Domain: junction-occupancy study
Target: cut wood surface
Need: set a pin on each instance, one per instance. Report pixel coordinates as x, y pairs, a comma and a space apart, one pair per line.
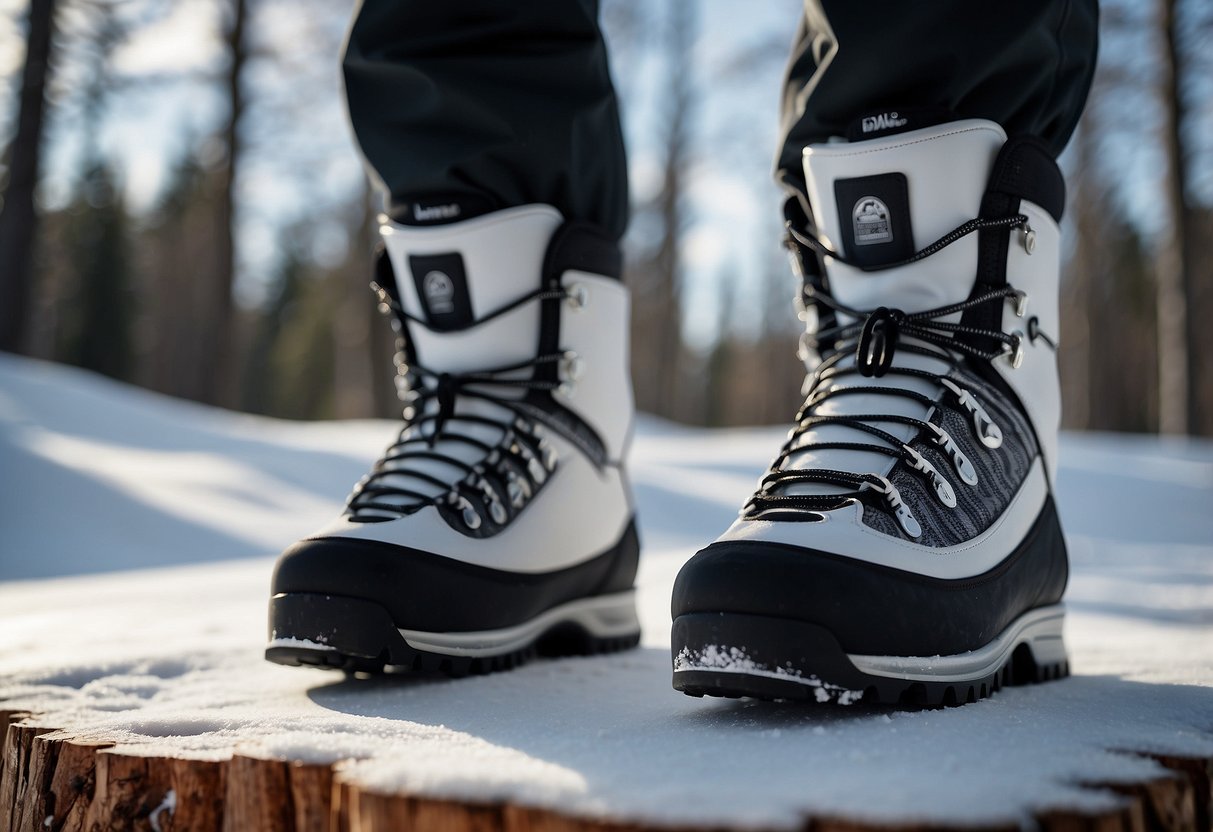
51, 780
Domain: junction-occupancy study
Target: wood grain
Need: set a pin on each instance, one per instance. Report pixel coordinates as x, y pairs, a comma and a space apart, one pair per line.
53, 780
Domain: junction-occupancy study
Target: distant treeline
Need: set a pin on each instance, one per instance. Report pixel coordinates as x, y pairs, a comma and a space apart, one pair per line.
148, 296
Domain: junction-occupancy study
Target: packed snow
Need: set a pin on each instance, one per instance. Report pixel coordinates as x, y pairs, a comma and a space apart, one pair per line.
731, 659
136, 542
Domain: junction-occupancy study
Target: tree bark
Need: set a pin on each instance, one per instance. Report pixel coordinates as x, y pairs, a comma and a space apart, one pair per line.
1077, 298
673, 193
18, 217
218, 371
1173, 281
52, 780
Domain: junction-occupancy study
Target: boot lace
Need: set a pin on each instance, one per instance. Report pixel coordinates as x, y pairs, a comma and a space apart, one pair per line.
424, 466
866, 347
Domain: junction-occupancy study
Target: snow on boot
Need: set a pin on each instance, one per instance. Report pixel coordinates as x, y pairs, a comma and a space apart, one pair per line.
500, 521
904, 547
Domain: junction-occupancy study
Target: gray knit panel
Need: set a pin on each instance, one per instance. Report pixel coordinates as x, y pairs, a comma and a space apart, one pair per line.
1000, 471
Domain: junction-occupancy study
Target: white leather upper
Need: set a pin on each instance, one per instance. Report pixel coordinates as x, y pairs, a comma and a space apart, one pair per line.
843, 533
581, 510
947, 169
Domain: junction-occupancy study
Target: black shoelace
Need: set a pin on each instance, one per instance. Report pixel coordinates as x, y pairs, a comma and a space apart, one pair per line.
510, 470
872, 340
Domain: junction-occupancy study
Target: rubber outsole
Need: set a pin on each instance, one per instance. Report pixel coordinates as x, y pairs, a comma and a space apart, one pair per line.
358, 636
733, 656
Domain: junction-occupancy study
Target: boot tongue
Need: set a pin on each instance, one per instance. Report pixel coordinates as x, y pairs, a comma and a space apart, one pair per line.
452, 275
879, 201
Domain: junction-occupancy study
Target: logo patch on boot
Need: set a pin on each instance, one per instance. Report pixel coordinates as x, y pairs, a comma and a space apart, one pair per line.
870, 222
874, 215
442, 289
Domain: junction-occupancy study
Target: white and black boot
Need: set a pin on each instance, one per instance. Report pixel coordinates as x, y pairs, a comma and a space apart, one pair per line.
500, 521
904, 547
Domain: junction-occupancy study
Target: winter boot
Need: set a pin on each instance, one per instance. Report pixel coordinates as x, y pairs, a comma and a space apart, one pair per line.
500, 521
904, 546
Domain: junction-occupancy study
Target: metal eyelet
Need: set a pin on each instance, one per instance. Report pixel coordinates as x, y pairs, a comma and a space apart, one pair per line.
576, 296
1015, 355
798, 303
909, 524
471, 517
1021, 303
497, 509
548, 455
988, 433
964, 468
534, 467
517, 489
571, 367
943, 488
1029, 237
802, 347
905, 518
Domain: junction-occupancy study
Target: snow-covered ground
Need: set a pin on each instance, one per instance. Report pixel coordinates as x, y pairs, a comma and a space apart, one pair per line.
136, 535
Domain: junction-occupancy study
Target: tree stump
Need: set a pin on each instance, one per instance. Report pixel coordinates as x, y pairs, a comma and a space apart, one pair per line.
54, 780
21, 781
277, 795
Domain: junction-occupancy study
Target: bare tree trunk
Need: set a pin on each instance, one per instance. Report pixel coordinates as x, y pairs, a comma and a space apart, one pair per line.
218, 374
668, 261
1173, 282
1078, 301
358, 365
18, 219
1200, 308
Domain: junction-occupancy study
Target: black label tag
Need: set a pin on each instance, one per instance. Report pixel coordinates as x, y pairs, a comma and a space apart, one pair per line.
874, 214
442, 288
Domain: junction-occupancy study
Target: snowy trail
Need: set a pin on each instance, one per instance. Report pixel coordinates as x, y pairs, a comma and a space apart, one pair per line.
101, 482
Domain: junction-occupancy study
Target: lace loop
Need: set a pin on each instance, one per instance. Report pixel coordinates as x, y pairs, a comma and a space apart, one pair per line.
878, 341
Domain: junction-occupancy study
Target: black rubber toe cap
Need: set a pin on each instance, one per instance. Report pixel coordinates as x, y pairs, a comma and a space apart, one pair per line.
876, 610
425, 591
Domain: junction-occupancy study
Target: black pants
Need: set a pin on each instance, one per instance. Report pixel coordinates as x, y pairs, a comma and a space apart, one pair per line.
497, 103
